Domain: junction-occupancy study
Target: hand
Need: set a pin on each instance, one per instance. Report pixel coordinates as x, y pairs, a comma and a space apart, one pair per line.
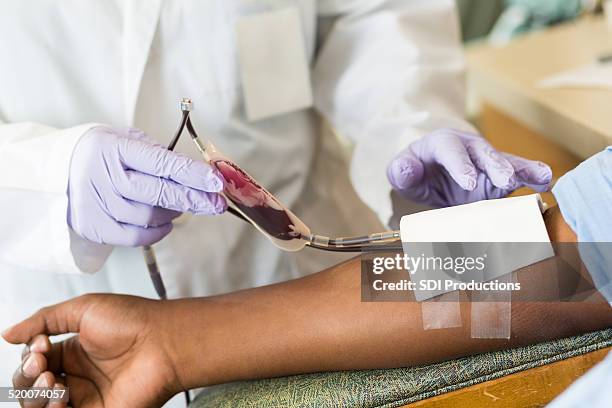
449, 167
125, 190
118, 359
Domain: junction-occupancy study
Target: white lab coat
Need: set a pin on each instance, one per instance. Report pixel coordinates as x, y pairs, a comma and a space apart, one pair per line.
382, 72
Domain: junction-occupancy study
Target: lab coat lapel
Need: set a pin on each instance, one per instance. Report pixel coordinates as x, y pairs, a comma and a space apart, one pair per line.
140, 23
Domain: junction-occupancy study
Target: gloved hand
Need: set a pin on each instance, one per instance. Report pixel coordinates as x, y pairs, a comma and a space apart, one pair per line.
125, 190
449, 167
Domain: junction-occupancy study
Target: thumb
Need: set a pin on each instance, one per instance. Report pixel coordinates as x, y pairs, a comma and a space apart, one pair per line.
53, 320
405, 171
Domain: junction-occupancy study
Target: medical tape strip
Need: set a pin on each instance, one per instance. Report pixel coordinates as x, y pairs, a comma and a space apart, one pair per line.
509, 220
491, 312
441, 312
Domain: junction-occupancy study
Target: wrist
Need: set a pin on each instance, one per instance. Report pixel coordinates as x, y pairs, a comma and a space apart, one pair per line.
184, 337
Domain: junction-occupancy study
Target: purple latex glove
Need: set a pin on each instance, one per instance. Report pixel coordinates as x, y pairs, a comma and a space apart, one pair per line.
124, 189
450, 167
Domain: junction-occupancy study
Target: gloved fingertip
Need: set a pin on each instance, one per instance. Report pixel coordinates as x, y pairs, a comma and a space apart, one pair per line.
217, 183
469, 183
544, 173
540, 188
506, 182
404, 173
215, 204
220, 205
205, 178
504, 176
539, 173
512, 182
150, 236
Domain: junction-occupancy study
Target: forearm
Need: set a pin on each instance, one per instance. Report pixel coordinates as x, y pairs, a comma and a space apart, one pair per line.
319, 323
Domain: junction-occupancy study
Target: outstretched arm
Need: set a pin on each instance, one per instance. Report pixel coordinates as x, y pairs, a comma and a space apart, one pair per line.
316, 323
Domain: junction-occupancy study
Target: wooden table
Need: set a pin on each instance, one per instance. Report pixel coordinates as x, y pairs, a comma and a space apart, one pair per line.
531, 388
506, 78
561, 127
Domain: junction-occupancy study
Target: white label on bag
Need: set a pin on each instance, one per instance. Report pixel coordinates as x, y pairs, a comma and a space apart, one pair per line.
273, 64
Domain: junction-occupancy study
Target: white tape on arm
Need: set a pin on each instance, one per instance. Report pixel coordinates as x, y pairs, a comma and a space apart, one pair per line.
496, 224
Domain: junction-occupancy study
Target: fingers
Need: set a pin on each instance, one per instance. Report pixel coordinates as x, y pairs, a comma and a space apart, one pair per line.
62, 318
449, 151
42, 363
530, 173
35, 372
32, 374
405, 171
39, 344
109, 231
168, 194
138, 214
60, 389
459, 152
55, 392
117, 233
163, 179
44, 380
30, 369
134, 236
69, 358
137, 134
497, 168
157, 161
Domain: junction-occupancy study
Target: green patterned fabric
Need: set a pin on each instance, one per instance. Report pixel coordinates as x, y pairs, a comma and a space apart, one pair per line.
394, 387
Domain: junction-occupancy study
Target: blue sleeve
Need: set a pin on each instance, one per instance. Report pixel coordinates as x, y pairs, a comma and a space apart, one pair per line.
584, 196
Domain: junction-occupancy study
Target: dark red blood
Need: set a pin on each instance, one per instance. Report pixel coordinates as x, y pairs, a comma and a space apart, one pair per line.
255, 202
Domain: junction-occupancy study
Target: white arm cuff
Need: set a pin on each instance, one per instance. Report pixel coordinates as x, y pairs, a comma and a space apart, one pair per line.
503, 235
